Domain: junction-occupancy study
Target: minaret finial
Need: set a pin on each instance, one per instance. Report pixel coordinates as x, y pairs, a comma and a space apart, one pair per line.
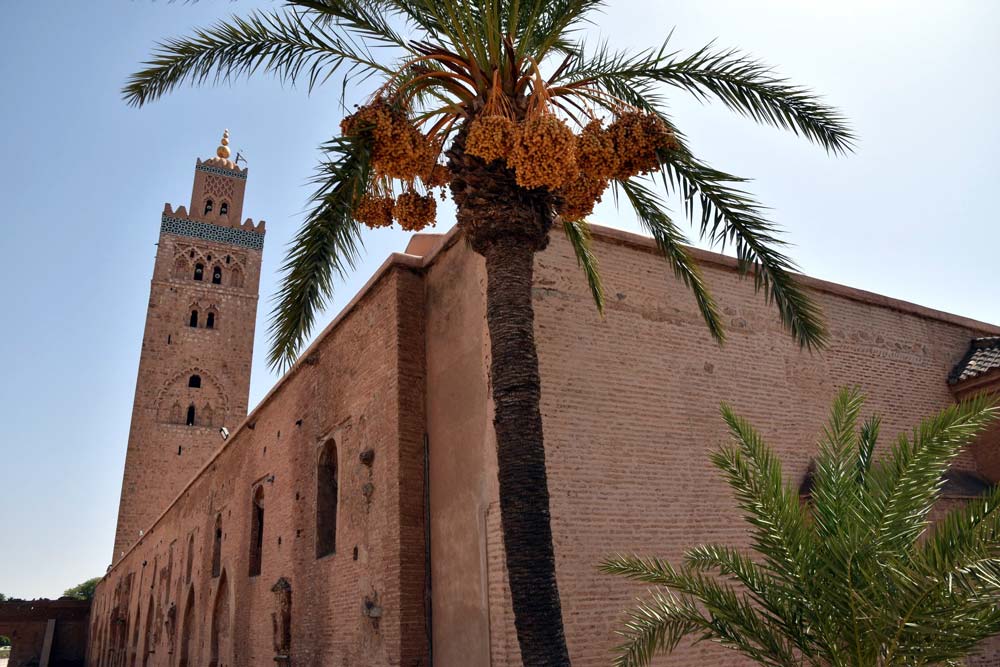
223, 150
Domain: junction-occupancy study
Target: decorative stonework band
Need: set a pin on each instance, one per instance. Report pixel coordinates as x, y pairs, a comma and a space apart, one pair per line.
221, 172
210, 232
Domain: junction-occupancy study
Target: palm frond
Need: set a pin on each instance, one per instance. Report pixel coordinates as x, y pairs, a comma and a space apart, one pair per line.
578, 234
654, 626
368, 19
751, 88
853, 587
835, 481
670, 240
731, 618
905, 489
327, 243
282, 44
779, 526
743, 84
729, 215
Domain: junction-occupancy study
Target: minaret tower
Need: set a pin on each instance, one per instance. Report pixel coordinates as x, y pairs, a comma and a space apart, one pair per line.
194, 368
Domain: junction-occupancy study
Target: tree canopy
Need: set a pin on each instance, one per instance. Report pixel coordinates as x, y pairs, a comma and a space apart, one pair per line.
441, 64
84, 591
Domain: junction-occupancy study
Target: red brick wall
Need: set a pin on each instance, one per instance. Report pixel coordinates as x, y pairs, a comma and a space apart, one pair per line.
163, 452
631, 405
361, 385
25, 622
631, 412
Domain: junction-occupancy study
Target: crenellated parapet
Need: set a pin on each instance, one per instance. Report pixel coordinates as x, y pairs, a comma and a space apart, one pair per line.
246, 234
221, 167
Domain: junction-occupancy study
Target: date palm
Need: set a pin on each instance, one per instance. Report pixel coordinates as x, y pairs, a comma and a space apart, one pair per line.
857, 577
440, 65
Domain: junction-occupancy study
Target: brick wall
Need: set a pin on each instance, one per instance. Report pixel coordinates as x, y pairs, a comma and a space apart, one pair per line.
26, 623
360, 386
630, 405
163, 451
631, 411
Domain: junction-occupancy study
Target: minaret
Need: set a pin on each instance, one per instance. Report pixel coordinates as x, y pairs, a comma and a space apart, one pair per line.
194, 367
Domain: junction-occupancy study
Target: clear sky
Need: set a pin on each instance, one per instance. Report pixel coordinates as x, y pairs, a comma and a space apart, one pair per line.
83, 180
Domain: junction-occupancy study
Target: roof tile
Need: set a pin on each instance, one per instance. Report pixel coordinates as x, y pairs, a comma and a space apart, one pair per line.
983, 356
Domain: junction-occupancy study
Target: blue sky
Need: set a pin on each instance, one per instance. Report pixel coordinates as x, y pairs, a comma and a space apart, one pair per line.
84, 178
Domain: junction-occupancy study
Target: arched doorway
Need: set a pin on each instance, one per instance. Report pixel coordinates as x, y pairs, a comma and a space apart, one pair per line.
187, 631
147, 642
221, 646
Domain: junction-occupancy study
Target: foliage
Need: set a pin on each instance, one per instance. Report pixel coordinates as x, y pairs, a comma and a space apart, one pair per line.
442, 65
4, 639
857, 577
84, 591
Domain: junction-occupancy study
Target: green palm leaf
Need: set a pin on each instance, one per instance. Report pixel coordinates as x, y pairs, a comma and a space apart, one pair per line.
861, 581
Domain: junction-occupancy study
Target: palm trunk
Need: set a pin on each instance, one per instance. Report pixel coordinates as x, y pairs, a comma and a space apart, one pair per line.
507, 225
524, 493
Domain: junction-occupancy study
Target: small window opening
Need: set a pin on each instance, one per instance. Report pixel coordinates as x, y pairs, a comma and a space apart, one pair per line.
257, 532
228, 257
199, 271
209, 258
168, 339
217, 275
194, 381
193, 322
210, 321
190, 560
178, 450
326, 500
208, 206
217, 547
224, 208
190, 416
191, 255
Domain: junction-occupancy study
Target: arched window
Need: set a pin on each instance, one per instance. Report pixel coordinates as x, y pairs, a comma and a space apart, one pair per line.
219, 644
210, 320
187, 630
257, 531
193, 322
236, 277
217, 547
194, 381
224, 208
147, 646
190, 416
326, 500
190, 560
208, 206
199, 271
217, 275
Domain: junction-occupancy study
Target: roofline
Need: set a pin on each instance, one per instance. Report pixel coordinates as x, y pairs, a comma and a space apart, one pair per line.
608, 234
717, 259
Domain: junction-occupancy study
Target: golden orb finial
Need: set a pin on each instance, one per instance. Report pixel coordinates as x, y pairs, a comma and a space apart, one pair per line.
223, 150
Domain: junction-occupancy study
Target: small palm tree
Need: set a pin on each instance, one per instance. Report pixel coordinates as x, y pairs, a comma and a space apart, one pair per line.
858, 576
477, 96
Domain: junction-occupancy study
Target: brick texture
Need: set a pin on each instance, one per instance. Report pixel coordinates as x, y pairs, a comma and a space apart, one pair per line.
164, 452
399, 382
362, 605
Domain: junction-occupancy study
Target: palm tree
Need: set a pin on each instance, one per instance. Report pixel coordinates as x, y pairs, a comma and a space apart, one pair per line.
856, 577
475, 95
